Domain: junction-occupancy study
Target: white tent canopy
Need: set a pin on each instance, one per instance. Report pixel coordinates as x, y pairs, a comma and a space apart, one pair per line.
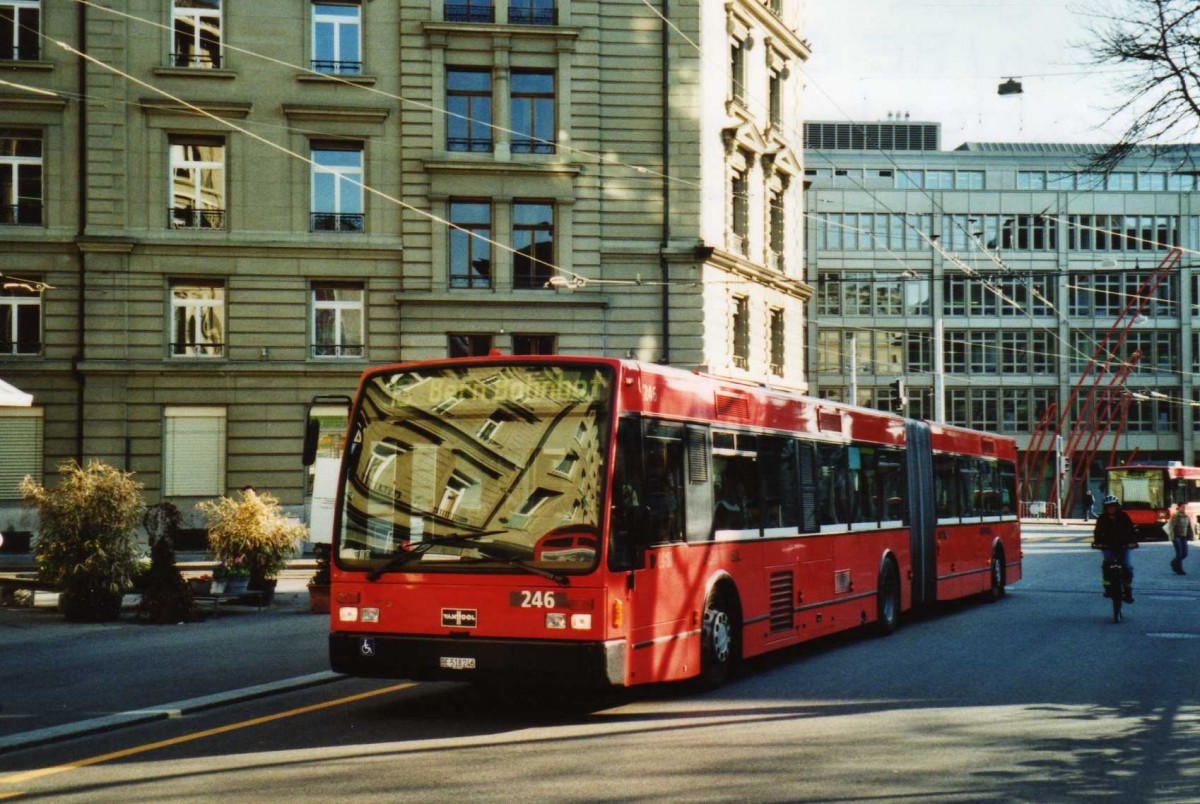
13, 397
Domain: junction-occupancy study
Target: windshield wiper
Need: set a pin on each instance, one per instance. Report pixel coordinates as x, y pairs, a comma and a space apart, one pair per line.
420, 548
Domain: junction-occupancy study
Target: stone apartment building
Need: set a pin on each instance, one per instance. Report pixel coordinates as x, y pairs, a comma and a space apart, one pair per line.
229, 207
1019, 259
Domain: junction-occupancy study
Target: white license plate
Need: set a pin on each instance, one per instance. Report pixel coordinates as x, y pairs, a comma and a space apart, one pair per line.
457, 662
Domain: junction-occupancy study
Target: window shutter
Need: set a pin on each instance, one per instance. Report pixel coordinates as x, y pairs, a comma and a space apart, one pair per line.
22, 452
194, 452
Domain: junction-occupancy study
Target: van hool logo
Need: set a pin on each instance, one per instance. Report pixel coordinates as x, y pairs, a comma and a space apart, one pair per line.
460, 618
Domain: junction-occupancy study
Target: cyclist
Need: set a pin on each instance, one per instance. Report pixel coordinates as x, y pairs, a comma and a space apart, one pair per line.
1115, 536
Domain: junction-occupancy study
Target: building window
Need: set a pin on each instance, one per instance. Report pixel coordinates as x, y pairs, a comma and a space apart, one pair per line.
739, 326
739, 212
939, 180
197, 183
337, 320
20, 24
469, 345
20, 178
470, 246
197, 38
737, 71
21, 435
198, 320
533, 244
468, 110
829, 351
777, 342
776, 227
193, 451
775, 99
969, 180
533, 126
337, 38
470, 11
20, 319
337, 188
1031, 180
532, 12
534, 344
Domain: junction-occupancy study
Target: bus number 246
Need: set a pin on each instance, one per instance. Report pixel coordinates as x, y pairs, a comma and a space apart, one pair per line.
528, 599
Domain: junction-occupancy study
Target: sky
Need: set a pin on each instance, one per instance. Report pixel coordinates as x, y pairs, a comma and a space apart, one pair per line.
942, 61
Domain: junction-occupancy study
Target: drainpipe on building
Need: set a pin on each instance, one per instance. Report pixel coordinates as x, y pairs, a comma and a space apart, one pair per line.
663, 267
80, 315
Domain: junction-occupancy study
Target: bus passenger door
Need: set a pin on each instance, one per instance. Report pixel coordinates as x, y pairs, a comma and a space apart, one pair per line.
652, 473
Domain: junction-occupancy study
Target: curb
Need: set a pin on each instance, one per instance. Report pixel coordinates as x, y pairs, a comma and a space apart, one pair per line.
29, 739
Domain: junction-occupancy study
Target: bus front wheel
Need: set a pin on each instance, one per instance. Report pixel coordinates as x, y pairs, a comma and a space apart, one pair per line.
718, 639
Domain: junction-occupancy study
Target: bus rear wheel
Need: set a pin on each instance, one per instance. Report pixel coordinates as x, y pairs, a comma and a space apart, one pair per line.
996, 589
887, 615
718, 639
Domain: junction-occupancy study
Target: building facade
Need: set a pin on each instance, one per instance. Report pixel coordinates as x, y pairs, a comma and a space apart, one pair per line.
214, 210
989, 275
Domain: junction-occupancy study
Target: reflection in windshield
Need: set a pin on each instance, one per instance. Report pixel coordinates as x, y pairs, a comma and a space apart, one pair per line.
506, 459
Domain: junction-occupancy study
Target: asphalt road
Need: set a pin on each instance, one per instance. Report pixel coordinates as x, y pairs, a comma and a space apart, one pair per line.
1039, 697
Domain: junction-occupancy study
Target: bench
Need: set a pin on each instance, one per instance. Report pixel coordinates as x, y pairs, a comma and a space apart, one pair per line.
13, 582
248, 598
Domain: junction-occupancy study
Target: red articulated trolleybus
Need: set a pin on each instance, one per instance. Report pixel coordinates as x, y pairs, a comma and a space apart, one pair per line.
575, 520
1148, 490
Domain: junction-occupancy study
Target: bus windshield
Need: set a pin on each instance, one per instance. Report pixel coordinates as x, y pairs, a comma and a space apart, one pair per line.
1139, 489
480, 468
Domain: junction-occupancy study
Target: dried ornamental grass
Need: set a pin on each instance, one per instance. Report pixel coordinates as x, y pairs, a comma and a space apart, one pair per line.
85, 536
253, 532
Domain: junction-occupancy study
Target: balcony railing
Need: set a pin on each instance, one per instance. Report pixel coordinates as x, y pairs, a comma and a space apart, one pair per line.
337, 350
741, 361
26, 213
532, 16
336, 222
197, 349
472, 144
11, 53
469, 12
201, 61
195, 218
532, 146
337, 67
20, 347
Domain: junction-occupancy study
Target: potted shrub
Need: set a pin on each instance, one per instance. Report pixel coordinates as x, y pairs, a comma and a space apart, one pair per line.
252, 537
318, 585
166, 596
85, 541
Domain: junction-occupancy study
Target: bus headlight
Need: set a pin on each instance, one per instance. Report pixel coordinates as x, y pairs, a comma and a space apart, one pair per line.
348, 614
556, 620
581, 622
369, 614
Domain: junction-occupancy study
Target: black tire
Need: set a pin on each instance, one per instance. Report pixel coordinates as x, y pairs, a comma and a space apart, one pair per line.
718, 642
1116, 601
887, 602
997, 588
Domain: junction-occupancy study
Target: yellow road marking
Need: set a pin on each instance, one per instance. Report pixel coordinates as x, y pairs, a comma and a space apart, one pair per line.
26, 776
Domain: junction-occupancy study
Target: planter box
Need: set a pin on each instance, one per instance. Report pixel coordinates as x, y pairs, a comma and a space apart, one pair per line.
318, 599
201, 587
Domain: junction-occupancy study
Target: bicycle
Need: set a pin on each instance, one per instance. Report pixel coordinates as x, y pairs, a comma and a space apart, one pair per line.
1116, 585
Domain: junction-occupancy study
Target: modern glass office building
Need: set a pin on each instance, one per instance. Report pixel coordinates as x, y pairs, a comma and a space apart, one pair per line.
987, 277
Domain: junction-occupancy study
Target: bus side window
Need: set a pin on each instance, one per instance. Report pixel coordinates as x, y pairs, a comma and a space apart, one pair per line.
627, 518
945, 486
833, 485
893, 484
662, 451
781, 481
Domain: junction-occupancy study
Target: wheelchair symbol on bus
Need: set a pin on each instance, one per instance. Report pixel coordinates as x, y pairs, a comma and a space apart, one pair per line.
367, 647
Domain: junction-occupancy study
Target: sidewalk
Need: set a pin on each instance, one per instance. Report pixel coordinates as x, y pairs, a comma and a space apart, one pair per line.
60, 680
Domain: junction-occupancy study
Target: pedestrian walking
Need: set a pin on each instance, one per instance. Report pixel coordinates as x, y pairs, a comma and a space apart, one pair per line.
1179, 528
1088, 502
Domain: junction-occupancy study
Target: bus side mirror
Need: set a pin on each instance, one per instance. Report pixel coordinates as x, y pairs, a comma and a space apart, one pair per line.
312, 432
